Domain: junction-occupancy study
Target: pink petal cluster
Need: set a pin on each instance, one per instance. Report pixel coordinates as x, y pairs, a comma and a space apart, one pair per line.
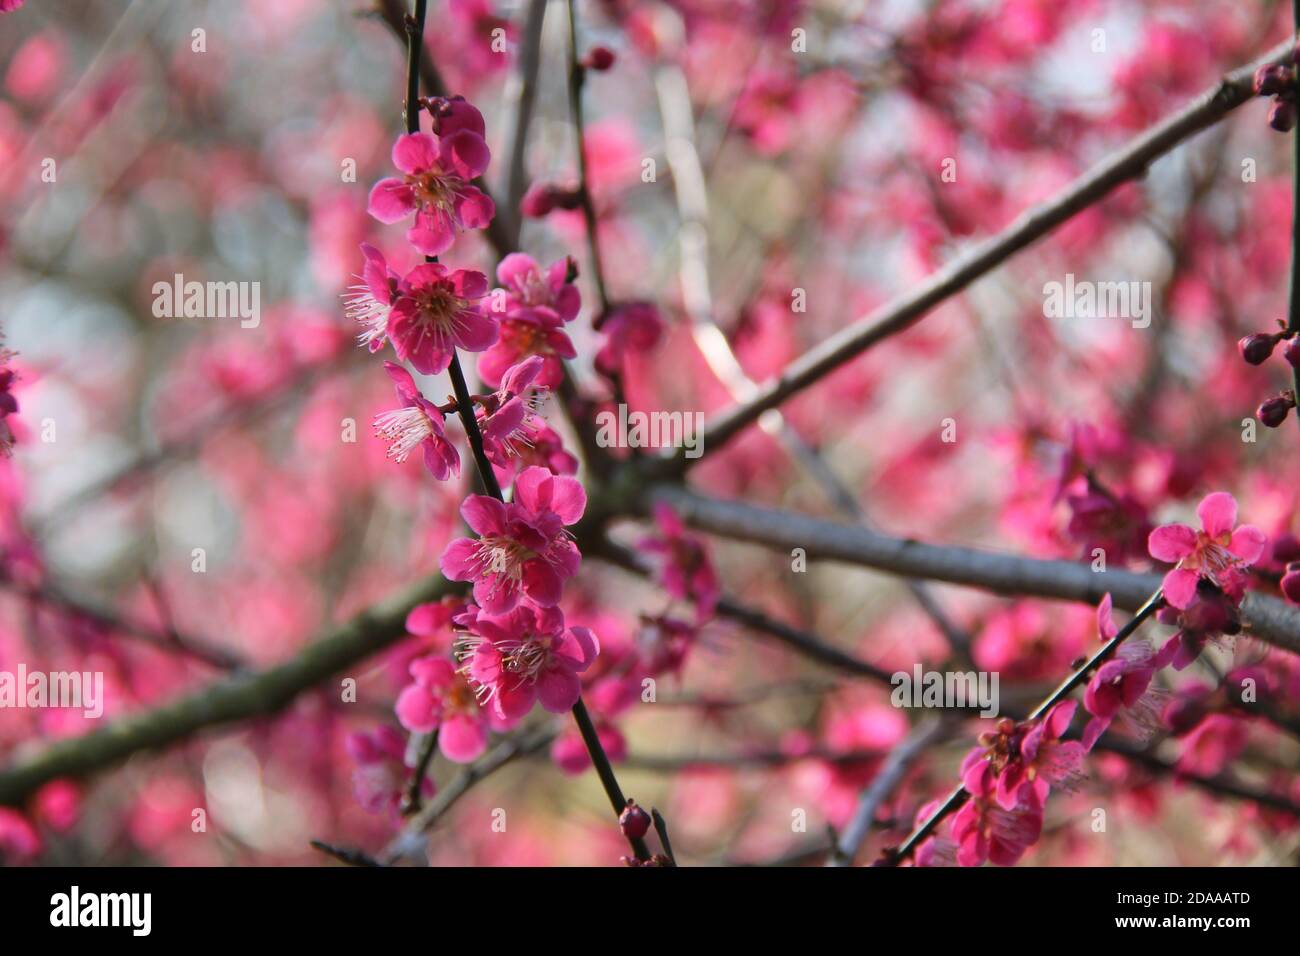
436, 182
685, 567
525, 656
533, 305
522, 549
439, 698
417, 424
1218, 553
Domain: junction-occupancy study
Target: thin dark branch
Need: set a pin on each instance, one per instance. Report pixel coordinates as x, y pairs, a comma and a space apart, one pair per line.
1130, 162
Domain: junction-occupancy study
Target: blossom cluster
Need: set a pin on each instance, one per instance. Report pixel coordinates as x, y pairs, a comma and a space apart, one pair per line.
509, 647
1008, 777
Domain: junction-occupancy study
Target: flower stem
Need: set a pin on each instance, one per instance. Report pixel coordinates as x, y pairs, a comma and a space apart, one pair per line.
959, 795
606, 772
465, 407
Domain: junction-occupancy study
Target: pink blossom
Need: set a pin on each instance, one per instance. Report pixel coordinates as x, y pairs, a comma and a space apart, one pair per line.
1212, 745
1045, 760
985, 830
527, 655
506, 418
533, 306
380, 777
418, 423
686, 570
1217, 553
18, 838
371, 302
441, 699
529, 292
522, 548
1207, 617
630, 328
435, 185
9, 6
1121, 686
435, 315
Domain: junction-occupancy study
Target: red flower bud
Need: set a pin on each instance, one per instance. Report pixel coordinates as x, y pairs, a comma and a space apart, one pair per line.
1256, 348
633, 821
599, 58
1274, 411
1291, 586
1292, 352
1271, 80
538, 201
1282, 116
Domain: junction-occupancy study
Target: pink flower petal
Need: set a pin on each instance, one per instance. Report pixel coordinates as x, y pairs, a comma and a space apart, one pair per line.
1218, 513
1180, 587
391, 200
1171, 542
558, 688
462, 739
465, 153
1248, 543
415, 152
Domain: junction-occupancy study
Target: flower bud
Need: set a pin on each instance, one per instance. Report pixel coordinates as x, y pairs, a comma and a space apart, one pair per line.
1255, 349
538, 201
1292, 352
1274, 411
1291, 586
1282, 116
1270, 80
599, 58
633, 821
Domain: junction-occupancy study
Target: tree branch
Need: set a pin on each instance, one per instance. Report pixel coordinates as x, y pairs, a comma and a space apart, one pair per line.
901, 313
1264, 617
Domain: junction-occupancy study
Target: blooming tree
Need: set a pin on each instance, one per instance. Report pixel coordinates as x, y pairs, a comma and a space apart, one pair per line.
593, 589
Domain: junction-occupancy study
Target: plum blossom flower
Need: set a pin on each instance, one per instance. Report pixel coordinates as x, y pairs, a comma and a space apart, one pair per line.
1212, 745
379, 779
371, 302
1122, 685
1208, 616
985, 830
9, 6
527, 655
440, 698
940, 849
1217, 552
504, 419
529, 291
686, 571
1028, 758
435, 315
435, 185
628, 328
418, 423
533, 306
522, 547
